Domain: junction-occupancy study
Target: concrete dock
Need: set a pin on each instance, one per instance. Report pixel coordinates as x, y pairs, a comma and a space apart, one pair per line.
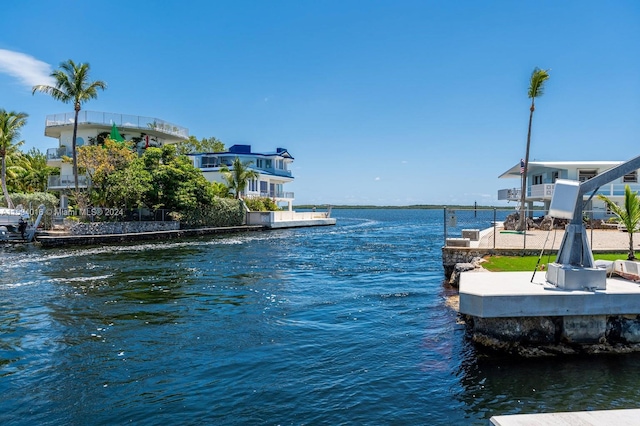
507, 312
513, 294
581, 418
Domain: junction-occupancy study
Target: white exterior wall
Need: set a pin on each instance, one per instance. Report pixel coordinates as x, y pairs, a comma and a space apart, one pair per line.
570, 170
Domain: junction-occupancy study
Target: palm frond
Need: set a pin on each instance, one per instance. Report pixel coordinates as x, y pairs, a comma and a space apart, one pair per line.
536, 83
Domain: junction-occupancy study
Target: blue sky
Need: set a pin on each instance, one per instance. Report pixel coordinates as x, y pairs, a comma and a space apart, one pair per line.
380, 102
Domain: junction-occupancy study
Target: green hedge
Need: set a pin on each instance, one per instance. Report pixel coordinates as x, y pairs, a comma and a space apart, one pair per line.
222, 212
261, 204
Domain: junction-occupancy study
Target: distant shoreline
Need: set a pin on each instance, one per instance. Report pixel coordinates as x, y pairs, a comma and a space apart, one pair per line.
411, 207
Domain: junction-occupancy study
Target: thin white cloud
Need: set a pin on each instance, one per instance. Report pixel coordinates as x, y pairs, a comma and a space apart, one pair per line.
377, 178
27, 69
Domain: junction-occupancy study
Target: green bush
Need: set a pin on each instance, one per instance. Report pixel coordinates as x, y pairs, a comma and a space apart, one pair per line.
222, 212
261, 204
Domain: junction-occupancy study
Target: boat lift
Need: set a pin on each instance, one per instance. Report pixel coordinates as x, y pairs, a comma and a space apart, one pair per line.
574, 268
10, 219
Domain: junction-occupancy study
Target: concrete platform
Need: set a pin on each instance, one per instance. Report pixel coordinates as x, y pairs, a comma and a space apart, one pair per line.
301, 223
512, 294
583, 418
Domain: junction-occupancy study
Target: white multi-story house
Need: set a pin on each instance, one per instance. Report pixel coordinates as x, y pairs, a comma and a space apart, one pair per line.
542, 175
272, 168
145, 131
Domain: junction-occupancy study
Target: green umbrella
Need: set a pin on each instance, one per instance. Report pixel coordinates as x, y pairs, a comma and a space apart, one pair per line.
115, 134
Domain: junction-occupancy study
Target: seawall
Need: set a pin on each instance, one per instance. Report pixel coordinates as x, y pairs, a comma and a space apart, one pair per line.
96, 239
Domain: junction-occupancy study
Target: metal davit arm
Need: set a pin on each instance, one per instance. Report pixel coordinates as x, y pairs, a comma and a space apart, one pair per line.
574, 266
575, 249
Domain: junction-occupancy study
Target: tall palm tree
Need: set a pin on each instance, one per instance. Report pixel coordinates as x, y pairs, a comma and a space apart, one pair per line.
238, 176
536, 89
10, 124
629, 215
72, 85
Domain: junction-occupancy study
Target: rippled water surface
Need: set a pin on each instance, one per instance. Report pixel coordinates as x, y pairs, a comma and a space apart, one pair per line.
331, 325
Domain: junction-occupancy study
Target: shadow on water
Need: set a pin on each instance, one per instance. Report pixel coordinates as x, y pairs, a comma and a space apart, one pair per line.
494, 384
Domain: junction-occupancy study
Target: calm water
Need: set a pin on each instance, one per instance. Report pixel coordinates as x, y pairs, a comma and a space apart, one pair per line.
339, 325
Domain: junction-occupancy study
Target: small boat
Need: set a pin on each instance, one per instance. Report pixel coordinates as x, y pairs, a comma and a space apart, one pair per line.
627, 269
15, 225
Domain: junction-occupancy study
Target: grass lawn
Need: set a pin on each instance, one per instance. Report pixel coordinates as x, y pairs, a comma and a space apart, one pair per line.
528, 263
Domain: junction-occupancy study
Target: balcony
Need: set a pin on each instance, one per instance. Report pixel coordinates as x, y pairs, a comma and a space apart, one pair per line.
123, 121
210, 162
278, 195
58, 153
544, 191
511, 194
58, 182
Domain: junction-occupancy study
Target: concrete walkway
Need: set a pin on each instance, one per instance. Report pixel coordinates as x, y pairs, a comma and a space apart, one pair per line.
599, 239
582, 418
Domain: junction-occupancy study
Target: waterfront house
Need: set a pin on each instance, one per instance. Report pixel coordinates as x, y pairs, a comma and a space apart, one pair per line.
272, 168
542, 175
92, 125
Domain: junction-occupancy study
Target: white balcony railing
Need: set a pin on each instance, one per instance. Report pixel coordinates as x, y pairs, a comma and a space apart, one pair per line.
545, 191
58, 153
277, 194
67, 181
121, 120
511, 194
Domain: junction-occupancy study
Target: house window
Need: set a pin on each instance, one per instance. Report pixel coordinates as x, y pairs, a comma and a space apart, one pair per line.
537, 179
555, 176
259, 163
208, 161
585, 175
631, 177
267, 164
253, 185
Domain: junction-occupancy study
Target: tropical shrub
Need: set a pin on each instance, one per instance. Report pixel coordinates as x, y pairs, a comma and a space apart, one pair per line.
261, 204
219, 213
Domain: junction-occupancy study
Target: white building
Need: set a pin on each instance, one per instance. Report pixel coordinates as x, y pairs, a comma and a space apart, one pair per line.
542, 175
145, 131
272, 168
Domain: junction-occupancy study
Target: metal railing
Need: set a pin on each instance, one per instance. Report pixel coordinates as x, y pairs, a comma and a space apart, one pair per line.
58, 153
545, 191
121, 120
66, 181
498, 229
275, 194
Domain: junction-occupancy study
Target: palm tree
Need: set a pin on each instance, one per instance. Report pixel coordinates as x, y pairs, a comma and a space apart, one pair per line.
10, 124
72, 85
238, 176
629, 215
33, 171
536, 89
